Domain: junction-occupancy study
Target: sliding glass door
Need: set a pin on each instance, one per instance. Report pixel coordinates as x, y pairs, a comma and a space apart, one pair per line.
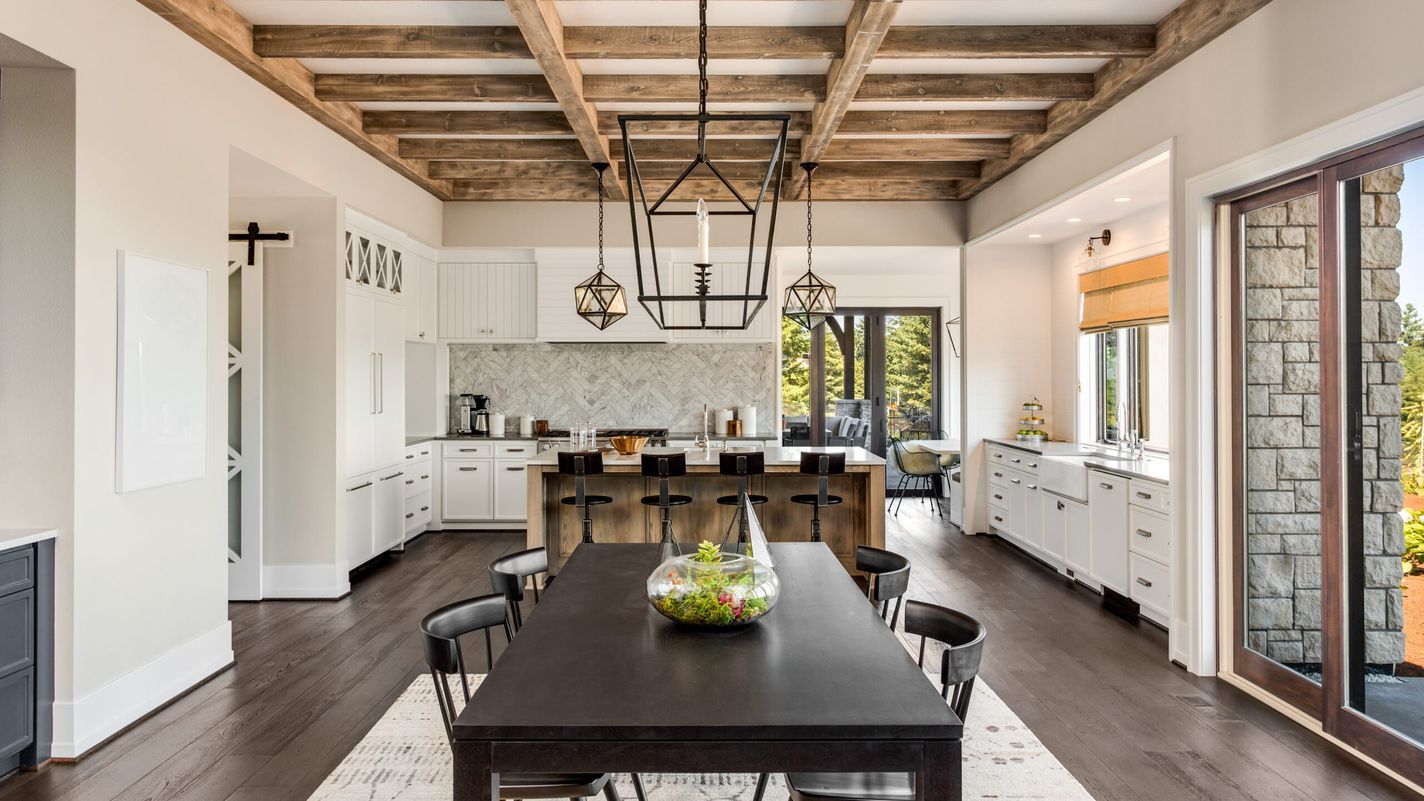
1327, 280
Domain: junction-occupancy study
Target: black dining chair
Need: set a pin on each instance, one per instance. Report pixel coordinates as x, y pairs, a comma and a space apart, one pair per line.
441, 631
665, 466
580, 465
959, 665
822, 464
888, 577
742, 466
507, 576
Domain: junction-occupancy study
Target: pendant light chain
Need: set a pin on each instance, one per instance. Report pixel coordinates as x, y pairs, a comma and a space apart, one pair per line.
600, 169
810, 170
702, 59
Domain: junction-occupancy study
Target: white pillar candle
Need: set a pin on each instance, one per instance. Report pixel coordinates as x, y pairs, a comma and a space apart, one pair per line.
704, 233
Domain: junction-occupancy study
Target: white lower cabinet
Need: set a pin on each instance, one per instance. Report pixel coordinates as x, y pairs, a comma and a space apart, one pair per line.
1065, 531
468, 489
511, 490
1107, 519
373, 504
357, 505
388, 511
486, 481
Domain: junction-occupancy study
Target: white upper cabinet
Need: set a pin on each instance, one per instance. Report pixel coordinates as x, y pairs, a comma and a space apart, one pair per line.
420, 292
487, 300
375, 381
562, 270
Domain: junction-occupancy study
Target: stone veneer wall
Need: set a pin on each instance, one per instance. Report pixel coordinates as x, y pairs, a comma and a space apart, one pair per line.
1283, 426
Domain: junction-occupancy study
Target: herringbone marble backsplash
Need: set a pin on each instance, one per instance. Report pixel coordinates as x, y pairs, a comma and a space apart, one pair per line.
619, 385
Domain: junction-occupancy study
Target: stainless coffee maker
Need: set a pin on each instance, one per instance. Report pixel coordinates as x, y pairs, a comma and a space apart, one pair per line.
480, 416
464, 415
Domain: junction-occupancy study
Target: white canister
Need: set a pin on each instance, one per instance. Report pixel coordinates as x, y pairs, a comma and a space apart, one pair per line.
526, 427
724, 416
747, 414
496, 425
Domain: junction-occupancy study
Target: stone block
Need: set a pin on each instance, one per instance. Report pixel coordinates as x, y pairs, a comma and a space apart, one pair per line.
1287, 653
1384, 181
1258, 400
1300, 310
1265, 363
1306, 544
1299, 293
1297, 463
1389, 443
1386, 209
1310, 643
1391, 372
1307, 574
1388, 469
1394, 610
1383, 572
1307, 609
1301, 377
1295, 331
1284, 405
1263, 543
1303, 211
1383, 285
1268, 613
1373, 528
1310, 410
1263, 304
1380, 248
1270, 576
1367, 210
1387, 352
1275, 267
1386, 496
1261, 469
1270, 215
1296, 351
1270, 502
1311, 437
1274, 432
1369, 435
1376, 614
1307, 496
1291, 237
1312, 275
1264, 236
1256, 641
1391, 535
1312, 248
1383, 400
1384, 647
1369, 322
1390, 320
1373, 373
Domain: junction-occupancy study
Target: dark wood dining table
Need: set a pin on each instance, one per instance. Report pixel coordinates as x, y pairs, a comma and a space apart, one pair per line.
598, 681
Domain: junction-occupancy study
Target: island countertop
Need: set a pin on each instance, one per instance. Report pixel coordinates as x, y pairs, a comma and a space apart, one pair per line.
698, 460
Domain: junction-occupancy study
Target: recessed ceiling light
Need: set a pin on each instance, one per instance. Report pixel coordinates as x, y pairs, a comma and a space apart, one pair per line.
1123, 199
1035, 236
1075, 219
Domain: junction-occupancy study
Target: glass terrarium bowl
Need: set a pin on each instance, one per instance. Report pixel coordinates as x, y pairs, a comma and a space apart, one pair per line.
721, 591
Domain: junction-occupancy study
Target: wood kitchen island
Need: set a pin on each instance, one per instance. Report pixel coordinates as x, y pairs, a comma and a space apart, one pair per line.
860, 520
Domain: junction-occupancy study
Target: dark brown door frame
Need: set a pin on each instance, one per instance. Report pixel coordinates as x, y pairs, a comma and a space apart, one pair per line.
1341, 515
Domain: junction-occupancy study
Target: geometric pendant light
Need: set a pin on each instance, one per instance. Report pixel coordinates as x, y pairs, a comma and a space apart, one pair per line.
810, 300
600, 299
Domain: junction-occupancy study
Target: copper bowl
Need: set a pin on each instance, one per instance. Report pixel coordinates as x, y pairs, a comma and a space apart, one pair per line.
628, 445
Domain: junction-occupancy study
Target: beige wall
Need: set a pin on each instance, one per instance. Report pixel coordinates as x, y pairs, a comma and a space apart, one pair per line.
536, 224
156, 115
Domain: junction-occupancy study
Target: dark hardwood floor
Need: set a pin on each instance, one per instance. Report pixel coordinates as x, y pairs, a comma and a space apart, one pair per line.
312, 677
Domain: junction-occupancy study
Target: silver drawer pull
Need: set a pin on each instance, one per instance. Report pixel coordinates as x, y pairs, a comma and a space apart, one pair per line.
998, 497
515, 469
409, 515
998, 519
1015, 481
422, 478
393, 475
469, 450
1016, 460
514, 450
1144, 582
468, 469
1142, 532
1105, 485
1033, 464
1144, 495
410, 456
425, 453
425, 508
1033, 486
409, 481
998, 475
359, 486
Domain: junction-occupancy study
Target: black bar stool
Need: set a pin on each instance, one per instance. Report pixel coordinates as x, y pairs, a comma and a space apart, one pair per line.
743, 466
824, 465
580, 464
664, 466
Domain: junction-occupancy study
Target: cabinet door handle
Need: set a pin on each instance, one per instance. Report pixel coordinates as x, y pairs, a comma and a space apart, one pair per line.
1033, 486
514, 450
425, 453
1015, 481
409, 515
380, 383
425, 508
1033, 464
998, 497
422, 478
1142, 532
359, 486
468, 469
1060, 506
410, 456
409, 481
1144, 495
1105, 485
998, 475
372, 365
515, 469
393, 475
1144, 582
469, 450
1016, 460
998, 519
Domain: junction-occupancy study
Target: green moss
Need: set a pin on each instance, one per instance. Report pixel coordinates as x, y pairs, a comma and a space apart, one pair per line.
712, 597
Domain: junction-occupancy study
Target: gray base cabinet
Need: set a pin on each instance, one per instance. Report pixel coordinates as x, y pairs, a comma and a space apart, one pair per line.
26, 654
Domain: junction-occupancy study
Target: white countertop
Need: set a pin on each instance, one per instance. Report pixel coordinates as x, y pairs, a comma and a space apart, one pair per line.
1096, 457
15, 537
696, 457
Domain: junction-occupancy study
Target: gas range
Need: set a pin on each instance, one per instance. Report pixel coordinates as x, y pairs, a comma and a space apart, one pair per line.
555, 437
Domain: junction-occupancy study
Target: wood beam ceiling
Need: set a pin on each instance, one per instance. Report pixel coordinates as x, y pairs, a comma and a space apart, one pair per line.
221, 29
388, 41
692, 190
745, 171
434, 88
1182, 32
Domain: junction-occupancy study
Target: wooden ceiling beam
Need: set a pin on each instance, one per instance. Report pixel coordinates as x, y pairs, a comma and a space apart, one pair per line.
511, 190
608, 124
434, 88
494, 149
544, 32
903, 149
516, 170
721, 150
929, 123
1188, 28
388, 41
1011, 86
221, 29
720, 88
742, 42
528, 123
867, 27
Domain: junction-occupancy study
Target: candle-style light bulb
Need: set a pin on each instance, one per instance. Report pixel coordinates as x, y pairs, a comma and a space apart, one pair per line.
704, 233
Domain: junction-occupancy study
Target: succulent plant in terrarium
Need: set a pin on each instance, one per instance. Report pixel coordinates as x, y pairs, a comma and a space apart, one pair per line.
713, 588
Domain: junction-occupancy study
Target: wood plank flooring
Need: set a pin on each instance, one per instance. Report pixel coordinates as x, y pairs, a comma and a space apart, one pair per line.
312, 677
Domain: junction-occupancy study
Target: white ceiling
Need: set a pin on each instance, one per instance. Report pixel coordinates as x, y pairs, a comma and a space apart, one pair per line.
1147, 186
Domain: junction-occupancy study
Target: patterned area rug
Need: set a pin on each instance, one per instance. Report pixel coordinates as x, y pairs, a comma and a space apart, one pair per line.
405, 757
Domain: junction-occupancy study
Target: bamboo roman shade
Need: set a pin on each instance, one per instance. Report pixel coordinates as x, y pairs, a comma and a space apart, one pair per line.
1134, 293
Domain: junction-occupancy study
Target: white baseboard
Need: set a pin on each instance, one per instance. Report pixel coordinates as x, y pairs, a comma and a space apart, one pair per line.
315, 581
86, 722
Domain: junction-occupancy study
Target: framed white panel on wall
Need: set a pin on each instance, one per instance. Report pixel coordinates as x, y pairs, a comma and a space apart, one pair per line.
162, 426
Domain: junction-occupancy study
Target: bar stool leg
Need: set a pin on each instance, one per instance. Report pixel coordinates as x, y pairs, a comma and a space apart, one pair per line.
667, 524
816, 523
587, 525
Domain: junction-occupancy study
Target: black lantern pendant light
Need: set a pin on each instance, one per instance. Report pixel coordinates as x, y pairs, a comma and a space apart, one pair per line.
600, 299
698, 298
810, 300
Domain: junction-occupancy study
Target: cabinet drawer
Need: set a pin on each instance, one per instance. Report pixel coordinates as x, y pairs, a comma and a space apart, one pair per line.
1148, 495
468, 450
1150, 586
417, 479
414, 453
17, 569
999, 477
418, 510
17, 712
17, 631
515, 450
1016, 459
999, 495
998, 517
1150, 534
